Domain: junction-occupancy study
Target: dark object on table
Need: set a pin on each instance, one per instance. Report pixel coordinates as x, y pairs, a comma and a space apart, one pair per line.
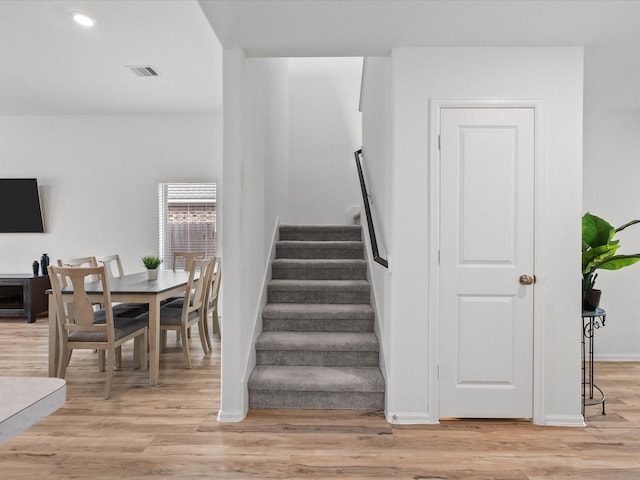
44, 263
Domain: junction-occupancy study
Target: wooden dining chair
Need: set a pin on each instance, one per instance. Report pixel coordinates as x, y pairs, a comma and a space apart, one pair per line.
112, 264
178, 258
82, 327
188, 258
89, 261
211, 303
113, 267
77, 262
191, 310
206, 301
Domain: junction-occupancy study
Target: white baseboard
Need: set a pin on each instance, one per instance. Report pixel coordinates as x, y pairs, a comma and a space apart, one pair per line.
350, 214
231, 417
410, 418
617, 357
564, 421
413, 418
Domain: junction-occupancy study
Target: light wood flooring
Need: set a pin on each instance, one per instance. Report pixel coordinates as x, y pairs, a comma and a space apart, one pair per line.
170, 431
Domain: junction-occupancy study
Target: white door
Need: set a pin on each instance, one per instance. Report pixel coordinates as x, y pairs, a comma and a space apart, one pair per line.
486, 244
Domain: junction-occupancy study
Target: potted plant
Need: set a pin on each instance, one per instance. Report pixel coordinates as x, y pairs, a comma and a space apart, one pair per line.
151, 263
599, 252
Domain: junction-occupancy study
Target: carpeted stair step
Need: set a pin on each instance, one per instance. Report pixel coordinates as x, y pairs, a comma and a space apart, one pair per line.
318, 291
317, 349
319, 269
320, 249
334, 349
323, 317
316, 387
320, 232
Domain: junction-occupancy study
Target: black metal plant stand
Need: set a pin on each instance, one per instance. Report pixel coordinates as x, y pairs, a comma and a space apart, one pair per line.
591, 321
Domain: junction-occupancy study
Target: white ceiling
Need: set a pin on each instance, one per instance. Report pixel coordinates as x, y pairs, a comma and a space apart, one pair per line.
50, 65
373, 27
609, 29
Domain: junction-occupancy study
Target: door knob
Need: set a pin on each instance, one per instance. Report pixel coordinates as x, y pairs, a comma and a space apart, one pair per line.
527, 279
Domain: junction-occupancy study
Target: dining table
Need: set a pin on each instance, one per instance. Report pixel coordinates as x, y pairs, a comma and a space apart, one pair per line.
135, 287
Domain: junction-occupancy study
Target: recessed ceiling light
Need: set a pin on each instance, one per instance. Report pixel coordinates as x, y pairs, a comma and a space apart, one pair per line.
84, 20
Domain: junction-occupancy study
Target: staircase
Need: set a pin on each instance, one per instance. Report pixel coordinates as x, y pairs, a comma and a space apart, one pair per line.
317, 349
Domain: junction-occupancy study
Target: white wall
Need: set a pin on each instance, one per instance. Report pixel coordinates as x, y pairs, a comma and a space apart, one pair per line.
98, 177
325, 131
255, 195
611, 172
376, 165
418, 75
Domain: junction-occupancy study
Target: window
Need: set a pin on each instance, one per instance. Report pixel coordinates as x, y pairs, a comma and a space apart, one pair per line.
187, 219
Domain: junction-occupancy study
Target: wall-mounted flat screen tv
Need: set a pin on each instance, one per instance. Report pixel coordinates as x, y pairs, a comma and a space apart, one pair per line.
20, 206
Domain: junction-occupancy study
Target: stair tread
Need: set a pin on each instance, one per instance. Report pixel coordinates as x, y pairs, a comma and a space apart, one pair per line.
315, 227
318, 341
318, 310
325, 248
320, 243
316, 378
318, 262
319, 269
319, 284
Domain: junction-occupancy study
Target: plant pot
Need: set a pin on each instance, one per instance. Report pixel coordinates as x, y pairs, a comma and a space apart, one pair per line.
152, 274
591, 299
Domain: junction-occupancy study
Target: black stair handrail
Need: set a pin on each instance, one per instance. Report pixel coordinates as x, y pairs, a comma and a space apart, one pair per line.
367, 210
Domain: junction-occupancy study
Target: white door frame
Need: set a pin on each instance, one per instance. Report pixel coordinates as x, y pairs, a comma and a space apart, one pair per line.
436, 105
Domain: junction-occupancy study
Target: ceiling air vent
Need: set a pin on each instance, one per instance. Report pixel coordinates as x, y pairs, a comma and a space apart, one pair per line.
143, 70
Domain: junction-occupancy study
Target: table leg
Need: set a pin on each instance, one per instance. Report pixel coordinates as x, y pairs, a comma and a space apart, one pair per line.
154, 340
54, 339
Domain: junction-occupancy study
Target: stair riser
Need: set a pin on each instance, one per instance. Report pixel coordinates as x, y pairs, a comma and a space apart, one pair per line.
321, 236
311, 252
322, 273
318, 296
316, 325
316, 400
321, 358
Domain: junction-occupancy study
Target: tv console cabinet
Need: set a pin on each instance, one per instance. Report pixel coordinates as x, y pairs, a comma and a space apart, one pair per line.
23, 295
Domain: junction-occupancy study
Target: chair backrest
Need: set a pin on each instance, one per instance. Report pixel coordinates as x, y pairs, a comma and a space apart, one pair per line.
112, 265
76, 262
216, 278
188, 258
75, 310
197, 287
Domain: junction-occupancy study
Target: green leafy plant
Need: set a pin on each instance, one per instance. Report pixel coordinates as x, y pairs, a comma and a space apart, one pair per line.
151, 262
599, 248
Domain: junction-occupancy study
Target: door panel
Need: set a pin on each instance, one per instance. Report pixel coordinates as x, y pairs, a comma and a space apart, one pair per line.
486, 152
495, 330
486, 243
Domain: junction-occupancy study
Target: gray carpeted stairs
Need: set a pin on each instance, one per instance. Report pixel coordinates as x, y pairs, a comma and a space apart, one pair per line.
317, 349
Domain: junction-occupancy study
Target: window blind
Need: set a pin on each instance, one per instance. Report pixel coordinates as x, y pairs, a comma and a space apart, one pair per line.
187, 220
